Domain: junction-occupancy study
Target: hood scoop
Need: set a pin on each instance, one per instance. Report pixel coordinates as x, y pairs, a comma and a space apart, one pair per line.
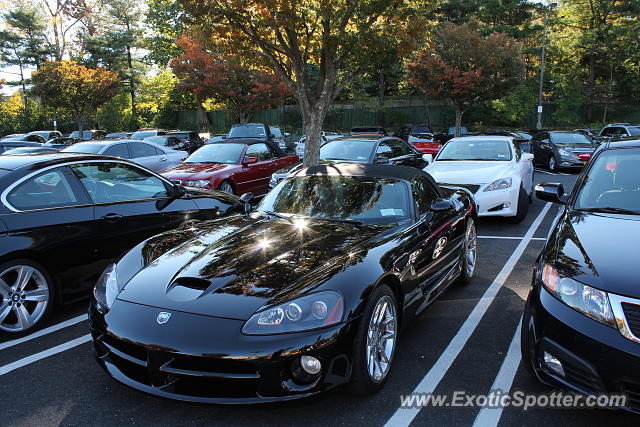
187, 288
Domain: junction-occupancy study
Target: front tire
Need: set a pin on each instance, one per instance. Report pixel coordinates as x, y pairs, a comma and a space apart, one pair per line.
226, 187
469, 254
375, 342
27, 297
552, 165
523, 207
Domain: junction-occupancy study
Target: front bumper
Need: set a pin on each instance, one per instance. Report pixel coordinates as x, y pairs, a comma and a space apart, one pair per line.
497, 202
596, 358
206, 359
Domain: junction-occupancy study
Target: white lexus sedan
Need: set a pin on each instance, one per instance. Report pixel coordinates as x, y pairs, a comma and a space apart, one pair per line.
493, 168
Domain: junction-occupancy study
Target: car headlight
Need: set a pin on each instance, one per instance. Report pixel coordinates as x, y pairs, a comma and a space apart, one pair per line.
106, 290
564, 153
499, 184
197, 183
313, 311
589, 301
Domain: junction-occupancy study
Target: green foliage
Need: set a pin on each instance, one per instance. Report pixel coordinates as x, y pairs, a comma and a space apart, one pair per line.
514, 108
164, 19
569, 101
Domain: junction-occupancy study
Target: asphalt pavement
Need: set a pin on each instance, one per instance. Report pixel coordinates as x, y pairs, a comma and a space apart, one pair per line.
461, 343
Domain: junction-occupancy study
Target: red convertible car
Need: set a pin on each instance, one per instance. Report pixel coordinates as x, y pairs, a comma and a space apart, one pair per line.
232, 166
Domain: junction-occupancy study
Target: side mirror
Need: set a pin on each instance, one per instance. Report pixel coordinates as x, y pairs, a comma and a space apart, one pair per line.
382, 159
250, 160
287, 134
176, 182
441, 205
428, 158
247, 198
551, 192
527, 157
271, 136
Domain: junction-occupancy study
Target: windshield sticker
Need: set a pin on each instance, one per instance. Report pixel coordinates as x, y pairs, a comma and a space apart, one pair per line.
391, 212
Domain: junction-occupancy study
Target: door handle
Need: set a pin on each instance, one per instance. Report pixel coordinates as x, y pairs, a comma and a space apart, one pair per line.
163, 159
112, 217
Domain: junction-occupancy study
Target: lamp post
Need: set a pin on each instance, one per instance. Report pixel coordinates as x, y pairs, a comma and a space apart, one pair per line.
546, 10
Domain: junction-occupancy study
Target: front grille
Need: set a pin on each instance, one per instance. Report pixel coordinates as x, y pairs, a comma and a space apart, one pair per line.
471, 187
187, 375
632, 314
633, 395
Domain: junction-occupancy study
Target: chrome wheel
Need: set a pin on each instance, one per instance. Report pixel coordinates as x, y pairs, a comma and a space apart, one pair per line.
470, 249
381, 339
225, 187
552, 163
24, 297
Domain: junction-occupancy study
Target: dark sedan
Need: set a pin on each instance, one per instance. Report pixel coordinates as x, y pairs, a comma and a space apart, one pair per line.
307, 292
363, 149
64, 217
8, 144
559, 149
581, 324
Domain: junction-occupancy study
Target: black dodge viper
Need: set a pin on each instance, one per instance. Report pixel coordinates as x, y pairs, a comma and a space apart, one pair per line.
305, 292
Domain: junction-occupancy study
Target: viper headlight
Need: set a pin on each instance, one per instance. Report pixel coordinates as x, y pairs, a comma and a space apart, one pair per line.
499, 184
106, 290
589, 301
312, 311
197, 183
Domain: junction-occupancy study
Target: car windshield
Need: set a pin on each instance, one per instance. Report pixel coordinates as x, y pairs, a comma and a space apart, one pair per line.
340, 198
143, 134
276, 132
248, 131
612, 183
349, 150
417, 130
471, 149
569, 138
217, 153
84, 148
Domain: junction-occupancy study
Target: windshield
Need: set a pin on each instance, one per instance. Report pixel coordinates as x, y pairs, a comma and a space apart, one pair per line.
470, 149
217, 153
613, 181
248, 131
366, 199
143, 134
276, 132
418, 130
569, 138
84, 148
349, 150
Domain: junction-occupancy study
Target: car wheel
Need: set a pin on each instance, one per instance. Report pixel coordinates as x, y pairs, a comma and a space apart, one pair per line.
523, 208
375, 342
26, 296
469, 252
226, 187
552, 166
525, 343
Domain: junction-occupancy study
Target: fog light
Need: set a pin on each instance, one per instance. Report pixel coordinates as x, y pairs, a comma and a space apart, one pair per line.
553, 363
310, 365
506, 205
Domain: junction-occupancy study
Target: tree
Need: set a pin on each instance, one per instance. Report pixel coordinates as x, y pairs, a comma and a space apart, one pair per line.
68, 86
64, 15
164, 19
461, 65
338, 39
243, 90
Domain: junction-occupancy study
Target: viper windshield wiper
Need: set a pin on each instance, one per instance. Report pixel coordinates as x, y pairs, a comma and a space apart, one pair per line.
610, 210
276, 214
344, 220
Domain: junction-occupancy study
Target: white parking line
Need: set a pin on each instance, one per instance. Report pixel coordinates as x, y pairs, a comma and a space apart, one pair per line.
46, 353
44, 331
504, 380
551, 173
510, 237
404, 416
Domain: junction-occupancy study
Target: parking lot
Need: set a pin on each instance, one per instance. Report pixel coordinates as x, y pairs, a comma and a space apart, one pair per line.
467, 341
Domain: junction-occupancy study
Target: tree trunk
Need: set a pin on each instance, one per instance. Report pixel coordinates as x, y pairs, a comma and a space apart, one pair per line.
381, 90
313, 120
202, 119
427, 112
459, 113
132, 88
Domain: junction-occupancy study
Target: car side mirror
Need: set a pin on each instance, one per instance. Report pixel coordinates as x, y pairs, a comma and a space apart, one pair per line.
428, 158
287, 134
551, 192
250, 160
527, 157
441, 205
247, 198
271, 136
382, 159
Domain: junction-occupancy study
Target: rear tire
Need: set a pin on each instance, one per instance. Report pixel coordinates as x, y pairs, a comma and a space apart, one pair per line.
523, 208
375, 341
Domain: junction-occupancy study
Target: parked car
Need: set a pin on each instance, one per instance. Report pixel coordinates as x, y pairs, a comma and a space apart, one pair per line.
46, 134
282, 139
24, 137
65, 217
191, 140
118, 135
147, 154
235, 167
145, 133
369, 130
291, 300
367, 149
62, 142
560, 149
329, 135
420, 136
493, 168
30, 150
168, 141
619, 130
216, 138
13, 135
303, 141
7, 144
580, 328
88, 135
259, 131
590, 133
